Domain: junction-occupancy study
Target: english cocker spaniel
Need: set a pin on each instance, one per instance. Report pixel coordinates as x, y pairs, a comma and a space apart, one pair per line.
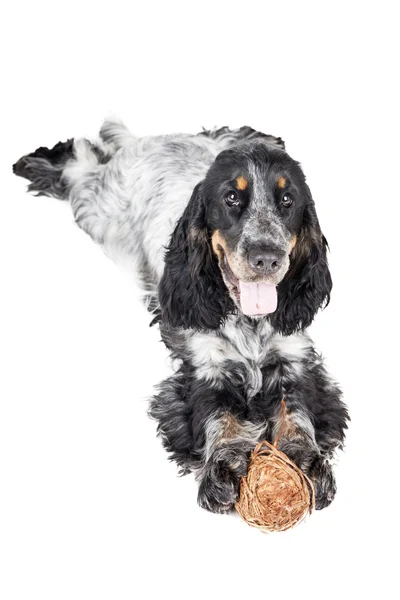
222, 232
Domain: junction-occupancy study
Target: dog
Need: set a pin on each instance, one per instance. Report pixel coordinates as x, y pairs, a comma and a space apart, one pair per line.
222, 231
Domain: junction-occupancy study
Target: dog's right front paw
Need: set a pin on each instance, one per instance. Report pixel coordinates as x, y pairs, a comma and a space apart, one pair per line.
219, 488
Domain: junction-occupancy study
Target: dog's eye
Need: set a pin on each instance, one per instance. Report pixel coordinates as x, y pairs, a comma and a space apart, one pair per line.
287, 200
232, 199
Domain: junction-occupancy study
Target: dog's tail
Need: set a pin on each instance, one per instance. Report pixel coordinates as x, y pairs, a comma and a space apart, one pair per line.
52, 171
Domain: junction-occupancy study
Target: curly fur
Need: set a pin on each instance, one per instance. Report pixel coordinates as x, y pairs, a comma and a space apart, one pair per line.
191, 275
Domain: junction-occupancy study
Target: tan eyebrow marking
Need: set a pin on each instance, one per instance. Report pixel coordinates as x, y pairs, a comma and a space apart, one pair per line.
281, 182
241, 183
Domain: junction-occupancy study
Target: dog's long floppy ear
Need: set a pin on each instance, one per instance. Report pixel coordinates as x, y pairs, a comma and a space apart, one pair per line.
191, 292
307, 284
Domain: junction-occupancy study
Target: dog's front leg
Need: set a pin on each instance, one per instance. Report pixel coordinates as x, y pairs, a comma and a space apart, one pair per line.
295, 435
228, 442
203, 429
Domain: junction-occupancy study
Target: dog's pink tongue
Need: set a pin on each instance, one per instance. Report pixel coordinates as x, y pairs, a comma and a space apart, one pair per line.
258, 298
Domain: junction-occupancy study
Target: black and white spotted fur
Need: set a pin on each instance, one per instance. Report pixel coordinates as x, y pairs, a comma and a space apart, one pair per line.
137, 197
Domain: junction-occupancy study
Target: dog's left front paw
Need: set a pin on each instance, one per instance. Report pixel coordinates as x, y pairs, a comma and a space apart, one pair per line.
323, 479
315, 466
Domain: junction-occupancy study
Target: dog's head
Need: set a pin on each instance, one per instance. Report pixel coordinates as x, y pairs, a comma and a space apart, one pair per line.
249, 241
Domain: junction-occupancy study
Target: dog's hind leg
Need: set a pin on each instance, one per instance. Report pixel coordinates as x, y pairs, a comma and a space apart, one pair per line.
44, 169
86, 174
92, 176
53, 171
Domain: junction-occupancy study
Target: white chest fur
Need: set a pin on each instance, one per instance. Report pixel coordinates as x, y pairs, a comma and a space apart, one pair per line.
249, 345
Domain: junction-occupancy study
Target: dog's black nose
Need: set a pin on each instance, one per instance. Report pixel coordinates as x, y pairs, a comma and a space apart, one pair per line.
264, 262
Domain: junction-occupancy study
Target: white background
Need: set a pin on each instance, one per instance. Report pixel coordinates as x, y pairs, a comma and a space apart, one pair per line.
90, 507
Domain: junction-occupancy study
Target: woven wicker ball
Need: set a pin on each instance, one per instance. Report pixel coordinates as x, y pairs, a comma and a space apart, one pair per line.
275, 495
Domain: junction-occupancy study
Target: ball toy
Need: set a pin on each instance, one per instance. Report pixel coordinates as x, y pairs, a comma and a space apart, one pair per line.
275, 495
